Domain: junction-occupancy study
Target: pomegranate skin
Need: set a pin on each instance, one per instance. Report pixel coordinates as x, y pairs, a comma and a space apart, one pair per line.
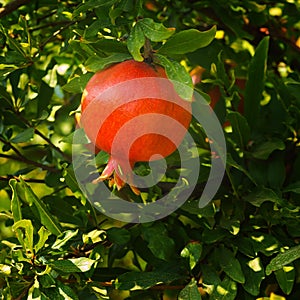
136, 94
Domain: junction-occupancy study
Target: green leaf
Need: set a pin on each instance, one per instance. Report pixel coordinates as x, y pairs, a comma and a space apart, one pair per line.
160, 244
94, 64
264, 243
77, 84
108, 46
136, 41
180, 77
144, 280
192, 251
286, 278
102, 158
46, 217
15, 201
263, 150
283, 259
190, 292
240, 129
24, 136
45, 94
260, 195
255, 83
254, 275
70, 178
6, 96
27, 237
119, 236
232, 163
226, 290
188, 41
293, 87
62, 239
94, 236
92, 4
66, 292
34, 292
230, 264
293, 187
5, 270
155, 32
76, 137
73, 265
43, 234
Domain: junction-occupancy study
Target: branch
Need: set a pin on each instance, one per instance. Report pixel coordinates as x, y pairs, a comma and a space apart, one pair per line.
28, 124
33, 180
12, 6
30, 162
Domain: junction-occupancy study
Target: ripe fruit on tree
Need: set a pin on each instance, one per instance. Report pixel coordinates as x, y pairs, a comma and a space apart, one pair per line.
132, 111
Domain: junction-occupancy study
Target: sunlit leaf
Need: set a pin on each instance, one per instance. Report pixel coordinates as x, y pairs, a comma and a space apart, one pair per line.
136, 41
188, 41
283, 259
155, 32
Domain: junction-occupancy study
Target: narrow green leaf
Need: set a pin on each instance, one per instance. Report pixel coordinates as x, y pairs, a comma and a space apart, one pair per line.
283, 259
192, 251
15, 201
45, 94
77, 84
24, 136
27, 237
155, 32
256, 81
144, 280
6, 96
43, 234
136, 41
230, 265
180, 77
94, 64
47, 218
73, 265
286, 278
232, 163
70, 178
240, 129
190, 292
62, 239
188, 41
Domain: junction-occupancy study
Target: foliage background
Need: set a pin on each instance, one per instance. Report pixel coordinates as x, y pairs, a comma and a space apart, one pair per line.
244, 245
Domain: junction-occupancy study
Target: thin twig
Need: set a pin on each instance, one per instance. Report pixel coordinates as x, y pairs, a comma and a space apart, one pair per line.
12, 6
32, 180
57, 149
38, 132
30, 162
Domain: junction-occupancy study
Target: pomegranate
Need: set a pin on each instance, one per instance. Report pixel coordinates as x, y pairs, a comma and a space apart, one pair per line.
132, 111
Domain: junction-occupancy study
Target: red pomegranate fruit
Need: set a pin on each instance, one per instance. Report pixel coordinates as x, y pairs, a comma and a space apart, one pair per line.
132, 111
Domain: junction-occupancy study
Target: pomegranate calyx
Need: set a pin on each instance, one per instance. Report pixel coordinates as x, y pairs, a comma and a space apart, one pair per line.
109, 173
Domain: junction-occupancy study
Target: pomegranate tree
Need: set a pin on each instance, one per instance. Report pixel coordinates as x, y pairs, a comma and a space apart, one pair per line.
130, 110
